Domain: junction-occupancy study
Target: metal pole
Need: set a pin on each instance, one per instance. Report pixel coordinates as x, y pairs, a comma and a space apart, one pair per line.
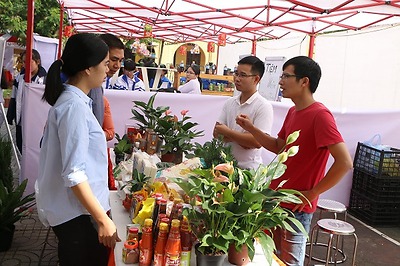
16, 152
29, 40
60, 31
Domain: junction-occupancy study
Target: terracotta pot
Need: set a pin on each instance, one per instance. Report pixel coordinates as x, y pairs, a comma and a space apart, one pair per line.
207, 260
238, 257
172, 157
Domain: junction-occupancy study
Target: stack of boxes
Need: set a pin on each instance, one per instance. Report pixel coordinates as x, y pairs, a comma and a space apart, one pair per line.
375, 194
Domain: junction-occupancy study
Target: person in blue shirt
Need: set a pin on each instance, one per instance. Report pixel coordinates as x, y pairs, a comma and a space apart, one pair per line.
130, 80
72, 193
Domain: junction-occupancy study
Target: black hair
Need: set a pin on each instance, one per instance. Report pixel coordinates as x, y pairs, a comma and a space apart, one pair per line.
81, 51
112, 41
257, 66
196, 70
129, 65
304, 66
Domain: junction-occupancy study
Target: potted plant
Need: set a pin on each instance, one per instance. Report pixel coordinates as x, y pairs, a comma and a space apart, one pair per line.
121, 148
213, 152
175, 134
13, 204
235, 206
146, 115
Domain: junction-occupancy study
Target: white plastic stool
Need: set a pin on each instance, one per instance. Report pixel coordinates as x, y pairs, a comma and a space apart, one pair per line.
334, 207
336, 228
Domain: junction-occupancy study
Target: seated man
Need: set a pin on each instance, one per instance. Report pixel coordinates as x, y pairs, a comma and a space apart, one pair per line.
129, 80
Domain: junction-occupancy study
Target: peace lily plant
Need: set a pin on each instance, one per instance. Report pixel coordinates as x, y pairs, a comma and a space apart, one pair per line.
236, 206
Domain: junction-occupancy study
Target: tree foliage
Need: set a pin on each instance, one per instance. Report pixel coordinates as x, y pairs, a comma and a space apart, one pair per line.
13, 18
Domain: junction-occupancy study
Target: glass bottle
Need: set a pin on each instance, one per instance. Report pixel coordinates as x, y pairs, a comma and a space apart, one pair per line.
130, 252
186, 242
133, 234
173, 246
159, 251
146, 243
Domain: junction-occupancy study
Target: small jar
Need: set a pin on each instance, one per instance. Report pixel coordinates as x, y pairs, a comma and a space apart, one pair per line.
133, 234
130, 252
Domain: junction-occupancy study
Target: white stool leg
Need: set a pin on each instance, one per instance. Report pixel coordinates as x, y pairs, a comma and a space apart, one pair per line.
311, 243
355, 249
328, 251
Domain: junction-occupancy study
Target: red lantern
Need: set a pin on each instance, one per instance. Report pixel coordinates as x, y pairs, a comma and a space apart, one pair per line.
182, 50
211, 47
222, 39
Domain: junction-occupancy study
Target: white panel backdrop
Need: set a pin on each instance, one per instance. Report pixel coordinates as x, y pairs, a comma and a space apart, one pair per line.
355, 126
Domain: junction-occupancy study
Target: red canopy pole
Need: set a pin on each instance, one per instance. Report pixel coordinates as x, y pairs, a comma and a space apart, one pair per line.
311, 46
29, 40
60, 31
253, 46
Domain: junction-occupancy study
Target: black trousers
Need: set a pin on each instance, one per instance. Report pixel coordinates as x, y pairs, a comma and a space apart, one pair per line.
78, 243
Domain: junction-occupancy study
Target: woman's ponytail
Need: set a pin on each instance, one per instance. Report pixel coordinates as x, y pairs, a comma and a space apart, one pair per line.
54, 86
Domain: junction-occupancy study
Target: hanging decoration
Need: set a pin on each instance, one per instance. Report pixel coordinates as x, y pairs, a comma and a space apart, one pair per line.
68, 31
222, 39
148, 30
195, 49
182, 50
211, 47
140, 48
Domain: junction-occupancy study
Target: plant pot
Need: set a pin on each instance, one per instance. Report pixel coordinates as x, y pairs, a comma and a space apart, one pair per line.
172, 157
207, 260
238, 257
6, 236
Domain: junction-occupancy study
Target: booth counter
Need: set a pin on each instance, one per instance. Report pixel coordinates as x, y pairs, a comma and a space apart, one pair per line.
205, 109
121, 218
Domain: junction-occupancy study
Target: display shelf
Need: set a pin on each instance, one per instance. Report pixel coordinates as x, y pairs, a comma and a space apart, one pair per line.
217, 93
211, 77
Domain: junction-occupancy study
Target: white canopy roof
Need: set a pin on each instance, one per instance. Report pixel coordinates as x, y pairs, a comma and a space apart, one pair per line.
189, 20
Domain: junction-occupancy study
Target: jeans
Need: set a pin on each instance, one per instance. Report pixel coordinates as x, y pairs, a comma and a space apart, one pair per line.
291, 247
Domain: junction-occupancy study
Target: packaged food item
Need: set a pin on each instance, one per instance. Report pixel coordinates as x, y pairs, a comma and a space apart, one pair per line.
130, 252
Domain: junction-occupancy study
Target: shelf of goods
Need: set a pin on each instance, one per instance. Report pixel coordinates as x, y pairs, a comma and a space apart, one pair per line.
208, 79
375, 193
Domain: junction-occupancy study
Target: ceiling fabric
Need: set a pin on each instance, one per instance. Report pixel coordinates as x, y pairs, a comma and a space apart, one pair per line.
179, 21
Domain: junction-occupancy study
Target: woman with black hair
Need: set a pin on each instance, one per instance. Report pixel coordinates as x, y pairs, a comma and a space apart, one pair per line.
72, 193
38, 76
193, 81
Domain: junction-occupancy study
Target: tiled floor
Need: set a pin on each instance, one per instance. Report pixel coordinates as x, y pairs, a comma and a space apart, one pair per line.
33, 244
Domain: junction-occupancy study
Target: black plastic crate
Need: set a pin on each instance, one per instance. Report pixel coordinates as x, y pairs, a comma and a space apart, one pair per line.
379, 163
381, 189
372, 211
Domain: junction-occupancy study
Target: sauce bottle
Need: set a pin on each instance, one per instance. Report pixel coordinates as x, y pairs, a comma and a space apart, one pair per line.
146, 243
159, 251
173, 246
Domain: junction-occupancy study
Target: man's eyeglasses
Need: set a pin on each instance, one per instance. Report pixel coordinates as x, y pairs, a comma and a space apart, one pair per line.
286, 76
242, 75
